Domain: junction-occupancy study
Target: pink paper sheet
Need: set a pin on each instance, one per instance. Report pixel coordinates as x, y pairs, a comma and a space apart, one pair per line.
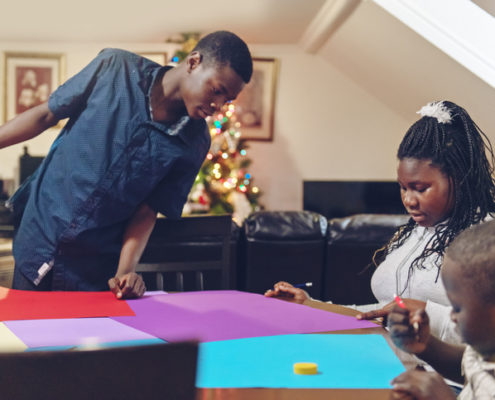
221, 315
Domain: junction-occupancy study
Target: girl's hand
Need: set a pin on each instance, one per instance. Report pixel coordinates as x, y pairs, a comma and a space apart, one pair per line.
411, 304
285, 291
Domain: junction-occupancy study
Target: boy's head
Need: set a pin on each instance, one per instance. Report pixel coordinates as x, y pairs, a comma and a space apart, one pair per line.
226, 49
468, 274
217, 69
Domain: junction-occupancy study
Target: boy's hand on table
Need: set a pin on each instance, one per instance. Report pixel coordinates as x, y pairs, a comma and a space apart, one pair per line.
420, 385
410, 331
127, 286
285, 291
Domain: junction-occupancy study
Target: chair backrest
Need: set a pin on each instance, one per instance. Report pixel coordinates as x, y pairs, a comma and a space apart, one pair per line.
283, 246
198, 244
162, 371
352, 241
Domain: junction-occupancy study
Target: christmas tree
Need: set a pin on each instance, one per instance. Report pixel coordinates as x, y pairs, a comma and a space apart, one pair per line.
224, 184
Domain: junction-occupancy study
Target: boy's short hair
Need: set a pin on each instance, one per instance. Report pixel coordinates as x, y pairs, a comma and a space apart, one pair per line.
226, 48
474, 251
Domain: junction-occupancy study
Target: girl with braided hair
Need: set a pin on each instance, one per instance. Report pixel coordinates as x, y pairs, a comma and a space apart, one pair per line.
446, 182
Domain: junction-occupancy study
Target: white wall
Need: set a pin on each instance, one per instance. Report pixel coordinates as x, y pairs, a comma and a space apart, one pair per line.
76, 57
326, 127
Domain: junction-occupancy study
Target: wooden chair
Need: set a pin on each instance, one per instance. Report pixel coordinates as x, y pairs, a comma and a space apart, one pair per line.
197, 244
161, 371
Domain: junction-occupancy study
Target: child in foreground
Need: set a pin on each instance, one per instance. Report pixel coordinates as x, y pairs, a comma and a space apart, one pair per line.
468, 274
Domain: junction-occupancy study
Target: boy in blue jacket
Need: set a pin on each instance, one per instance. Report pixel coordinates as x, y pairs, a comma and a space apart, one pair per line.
132, 147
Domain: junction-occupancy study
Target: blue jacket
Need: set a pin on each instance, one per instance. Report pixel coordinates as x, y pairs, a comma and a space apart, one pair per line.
108, 159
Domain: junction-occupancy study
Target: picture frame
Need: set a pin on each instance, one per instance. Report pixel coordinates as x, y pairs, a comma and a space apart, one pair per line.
29, 79
256, 103
156, 56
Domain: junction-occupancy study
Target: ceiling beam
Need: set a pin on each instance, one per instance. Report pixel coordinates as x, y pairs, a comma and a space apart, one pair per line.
330, 17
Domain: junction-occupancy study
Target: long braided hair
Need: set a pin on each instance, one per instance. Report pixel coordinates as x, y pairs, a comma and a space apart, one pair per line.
451, 140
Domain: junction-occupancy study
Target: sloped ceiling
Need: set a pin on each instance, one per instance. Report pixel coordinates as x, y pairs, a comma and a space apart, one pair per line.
402, 69
256, 21
373, 48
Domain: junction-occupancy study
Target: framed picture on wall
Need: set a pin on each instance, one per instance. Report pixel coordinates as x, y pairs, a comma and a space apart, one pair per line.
256, 103
29, 80
158, 57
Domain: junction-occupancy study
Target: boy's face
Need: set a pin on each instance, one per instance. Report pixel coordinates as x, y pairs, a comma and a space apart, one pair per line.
425, 191
208, 86
474, 317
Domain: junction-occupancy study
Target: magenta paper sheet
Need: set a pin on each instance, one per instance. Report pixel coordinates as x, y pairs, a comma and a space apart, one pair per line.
227, 314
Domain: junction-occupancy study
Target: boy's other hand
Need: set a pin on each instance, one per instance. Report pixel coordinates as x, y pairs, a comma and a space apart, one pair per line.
285, 291
420, 385
127, 286
410, 331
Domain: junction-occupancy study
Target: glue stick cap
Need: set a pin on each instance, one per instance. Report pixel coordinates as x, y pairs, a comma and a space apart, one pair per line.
305, 368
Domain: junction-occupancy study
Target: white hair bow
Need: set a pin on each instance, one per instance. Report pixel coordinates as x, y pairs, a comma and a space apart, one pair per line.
438, 110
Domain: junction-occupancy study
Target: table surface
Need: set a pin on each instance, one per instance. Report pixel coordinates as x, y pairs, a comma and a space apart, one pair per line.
306, 394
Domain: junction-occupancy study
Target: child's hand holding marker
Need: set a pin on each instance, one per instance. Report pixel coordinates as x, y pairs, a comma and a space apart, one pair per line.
409, 330
402, 305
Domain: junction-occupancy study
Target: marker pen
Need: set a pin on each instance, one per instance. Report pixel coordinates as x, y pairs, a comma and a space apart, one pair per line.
401, 304
303, 285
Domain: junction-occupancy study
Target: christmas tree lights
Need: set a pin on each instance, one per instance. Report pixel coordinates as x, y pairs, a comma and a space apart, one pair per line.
224, 184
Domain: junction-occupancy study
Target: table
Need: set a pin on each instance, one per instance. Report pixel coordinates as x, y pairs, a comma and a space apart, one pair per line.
306, 394
276, 393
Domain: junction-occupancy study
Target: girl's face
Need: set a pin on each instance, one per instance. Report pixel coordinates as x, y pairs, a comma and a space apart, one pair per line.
474, 317
425, 191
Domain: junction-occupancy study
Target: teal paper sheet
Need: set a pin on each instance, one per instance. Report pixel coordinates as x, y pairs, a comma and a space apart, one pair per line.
344, 361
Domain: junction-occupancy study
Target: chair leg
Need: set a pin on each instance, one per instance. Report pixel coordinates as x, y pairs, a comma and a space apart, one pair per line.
159, 281
200, 284
180, 281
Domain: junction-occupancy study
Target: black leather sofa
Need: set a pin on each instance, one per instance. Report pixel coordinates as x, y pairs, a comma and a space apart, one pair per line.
286, 245
302, 246
352, 242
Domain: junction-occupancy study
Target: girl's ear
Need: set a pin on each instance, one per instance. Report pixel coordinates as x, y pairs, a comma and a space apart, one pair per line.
193, 60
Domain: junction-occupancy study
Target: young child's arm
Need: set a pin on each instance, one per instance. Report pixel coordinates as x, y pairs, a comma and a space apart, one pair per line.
420, 385
411, 332
26, 125
285, 291
126, 283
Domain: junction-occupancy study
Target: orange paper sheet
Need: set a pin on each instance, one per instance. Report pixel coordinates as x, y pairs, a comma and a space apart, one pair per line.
27, 304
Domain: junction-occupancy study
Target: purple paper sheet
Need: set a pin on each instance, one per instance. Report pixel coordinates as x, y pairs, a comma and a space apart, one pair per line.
221, 315
73, 332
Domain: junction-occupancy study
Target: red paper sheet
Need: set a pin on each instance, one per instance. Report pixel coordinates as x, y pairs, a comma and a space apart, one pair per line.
27, 304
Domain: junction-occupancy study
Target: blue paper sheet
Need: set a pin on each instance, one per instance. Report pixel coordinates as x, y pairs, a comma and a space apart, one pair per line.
344, 361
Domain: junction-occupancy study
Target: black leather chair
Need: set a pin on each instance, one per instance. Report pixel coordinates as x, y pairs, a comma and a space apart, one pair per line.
284, 245
352, 241
183, 254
